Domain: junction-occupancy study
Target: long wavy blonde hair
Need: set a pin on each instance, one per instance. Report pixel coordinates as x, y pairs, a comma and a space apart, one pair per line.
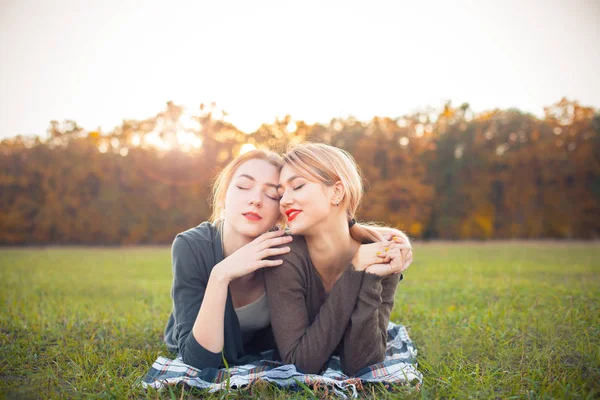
328, 165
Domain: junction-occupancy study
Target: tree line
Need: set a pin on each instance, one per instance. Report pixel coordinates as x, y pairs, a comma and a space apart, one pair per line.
446, 173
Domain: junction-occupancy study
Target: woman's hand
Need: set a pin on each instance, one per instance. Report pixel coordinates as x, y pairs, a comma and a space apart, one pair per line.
252, 256
397, 236
376, 254
400, 258
389, 233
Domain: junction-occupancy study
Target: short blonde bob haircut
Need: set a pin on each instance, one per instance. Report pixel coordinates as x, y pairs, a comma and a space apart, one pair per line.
328, 164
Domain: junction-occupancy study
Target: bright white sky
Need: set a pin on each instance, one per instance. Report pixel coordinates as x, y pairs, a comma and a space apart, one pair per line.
98, 62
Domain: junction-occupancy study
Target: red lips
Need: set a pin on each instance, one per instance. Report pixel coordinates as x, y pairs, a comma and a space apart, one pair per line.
252, 216
292, 213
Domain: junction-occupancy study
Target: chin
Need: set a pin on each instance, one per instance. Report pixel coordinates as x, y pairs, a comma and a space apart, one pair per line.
253, 230
253, 233
297, 229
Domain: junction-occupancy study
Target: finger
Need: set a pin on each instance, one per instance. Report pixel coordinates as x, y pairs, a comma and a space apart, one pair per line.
374, 249
400, 236
394, 252
397, 260
387, 236
408, 260
400, 246
269, 235
275, 242
399, 239
383, 259
405, 261
377, 246
269, 263
404, 253
277, 251
381, 254
380, 236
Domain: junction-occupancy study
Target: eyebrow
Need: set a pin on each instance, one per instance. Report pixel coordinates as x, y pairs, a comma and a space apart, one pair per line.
288, 180
254, 180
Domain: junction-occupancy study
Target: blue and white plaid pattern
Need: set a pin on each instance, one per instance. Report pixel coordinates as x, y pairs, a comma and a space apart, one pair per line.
399, 367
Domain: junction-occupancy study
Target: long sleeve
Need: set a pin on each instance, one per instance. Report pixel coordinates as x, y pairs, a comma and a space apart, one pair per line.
299, 342
366, 335
189, 285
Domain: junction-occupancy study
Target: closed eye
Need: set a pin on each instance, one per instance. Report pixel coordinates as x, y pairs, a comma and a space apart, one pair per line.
299, 187
276, 198
241, 187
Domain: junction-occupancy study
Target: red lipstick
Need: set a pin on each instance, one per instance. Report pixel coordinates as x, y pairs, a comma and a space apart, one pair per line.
252, 216
292, 213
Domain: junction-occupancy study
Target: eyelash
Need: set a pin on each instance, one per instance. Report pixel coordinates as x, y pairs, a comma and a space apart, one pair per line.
299, 187
272, 198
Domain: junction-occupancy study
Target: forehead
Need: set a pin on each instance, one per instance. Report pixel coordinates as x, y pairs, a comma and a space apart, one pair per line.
289, 174
286, 173
261, 170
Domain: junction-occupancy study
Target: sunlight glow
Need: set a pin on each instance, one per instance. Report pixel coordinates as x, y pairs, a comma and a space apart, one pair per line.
247, 147
189, 123
255, 90
291, 127
135, 140
188, 140
103, 147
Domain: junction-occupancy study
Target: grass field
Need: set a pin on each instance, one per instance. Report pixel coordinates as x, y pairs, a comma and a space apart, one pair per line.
498, 320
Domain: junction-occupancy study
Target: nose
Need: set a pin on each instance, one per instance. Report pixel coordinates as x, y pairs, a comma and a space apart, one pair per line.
286, 199
255, 198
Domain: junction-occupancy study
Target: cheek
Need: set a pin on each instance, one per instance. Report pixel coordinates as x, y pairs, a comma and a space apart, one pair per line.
232, 201
317, 199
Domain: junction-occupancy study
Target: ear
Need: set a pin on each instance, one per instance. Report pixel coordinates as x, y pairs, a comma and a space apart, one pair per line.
339, 191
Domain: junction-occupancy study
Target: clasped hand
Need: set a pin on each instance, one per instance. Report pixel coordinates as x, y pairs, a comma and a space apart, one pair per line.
384, 258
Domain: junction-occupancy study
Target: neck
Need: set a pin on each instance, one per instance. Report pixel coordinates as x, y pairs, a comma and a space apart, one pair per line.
232, 240
331, 247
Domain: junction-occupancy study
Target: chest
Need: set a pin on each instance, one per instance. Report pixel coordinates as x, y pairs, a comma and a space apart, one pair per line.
244, 293
316, 295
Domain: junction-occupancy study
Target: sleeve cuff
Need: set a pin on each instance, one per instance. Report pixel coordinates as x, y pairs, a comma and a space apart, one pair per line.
197, 356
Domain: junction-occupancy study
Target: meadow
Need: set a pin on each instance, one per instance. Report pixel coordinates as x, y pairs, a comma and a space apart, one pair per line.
490, 320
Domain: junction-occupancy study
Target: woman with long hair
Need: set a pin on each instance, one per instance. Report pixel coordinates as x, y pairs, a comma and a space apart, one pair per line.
335, 290
219, 301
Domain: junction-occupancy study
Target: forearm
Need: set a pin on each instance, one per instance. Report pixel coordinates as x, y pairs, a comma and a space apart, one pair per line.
309, 345
208, 329
364, 341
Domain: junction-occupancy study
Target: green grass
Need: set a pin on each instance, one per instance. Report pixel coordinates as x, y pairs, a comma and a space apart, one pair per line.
499, 320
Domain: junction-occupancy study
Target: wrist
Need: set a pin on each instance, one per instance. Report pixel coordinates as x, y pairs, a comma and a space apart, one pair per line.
220, 274
355, 264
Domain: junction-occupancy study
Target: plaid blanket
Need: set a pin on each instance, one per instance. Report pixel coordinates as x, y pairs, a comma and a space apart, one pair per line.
399, 367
